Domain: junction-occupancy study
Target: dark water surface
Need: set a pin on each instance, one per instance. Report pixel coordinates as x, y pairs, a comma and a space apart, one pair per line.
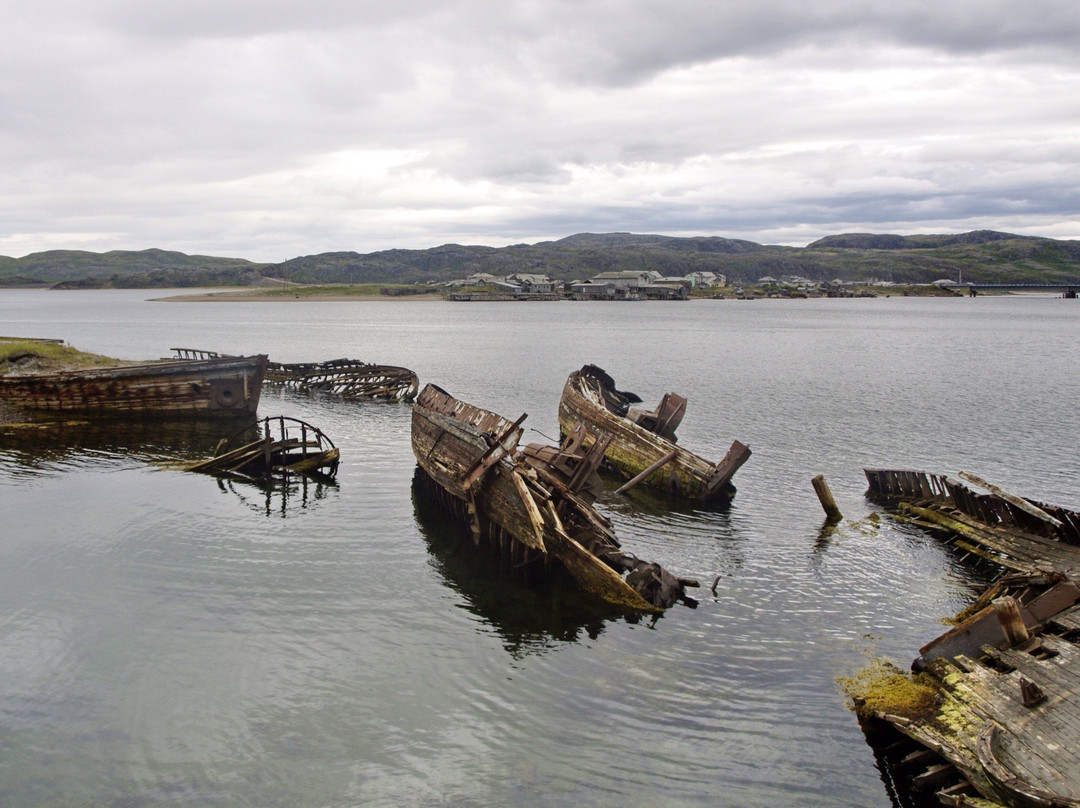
166, 639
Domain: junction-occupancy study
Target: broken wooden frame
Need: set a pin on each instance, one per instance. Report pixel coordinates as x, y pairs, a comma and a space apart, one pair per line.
286, 446
643, 446
1005, 725
347, 378
533, 504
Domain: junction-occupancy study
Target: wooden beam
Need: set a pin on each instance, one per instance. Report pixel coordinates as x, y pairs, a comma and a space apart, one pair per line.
663, 461
1012, 499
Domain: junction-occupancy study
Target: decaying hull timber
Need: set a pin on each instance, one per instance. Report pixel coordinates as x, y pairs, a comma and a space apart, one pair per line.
215, 388
286, 446
1000, 722
643, 444
1020, 535
348, 378
537, 499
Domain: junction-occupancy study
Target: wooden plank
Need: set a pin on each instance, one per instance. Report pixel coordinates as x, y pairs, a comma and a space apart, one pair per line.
1020, 503
663, 461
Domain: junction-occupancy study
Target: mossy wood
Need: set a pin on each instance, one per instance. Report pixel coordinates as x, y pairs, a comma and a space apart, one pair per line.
1005, 718
524, 498
641, 439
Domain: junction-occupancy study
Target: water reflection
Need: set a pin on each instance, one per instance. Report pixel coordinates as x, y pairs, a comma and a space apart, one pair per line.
56, 445
530, 615
280, 496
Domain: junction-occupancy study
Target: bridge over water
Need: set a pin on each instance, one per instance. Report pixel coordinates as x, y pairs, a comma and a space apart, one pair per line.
1070, 290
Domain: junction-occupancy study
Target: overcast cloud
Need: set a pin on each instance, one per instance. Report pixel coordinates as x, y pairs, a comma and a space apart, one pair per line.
267, 129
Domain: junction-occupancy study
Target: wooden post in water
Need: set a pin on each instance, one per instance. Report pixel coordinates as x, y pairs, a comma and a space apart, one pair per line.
826, 498
1008, 614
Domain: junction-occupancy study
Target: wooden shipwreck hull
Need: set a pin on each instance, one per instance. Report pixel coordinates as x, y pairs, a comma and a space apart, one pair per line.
348, 378
1003, 727
643, 444
213, 388
285, 446
533, 502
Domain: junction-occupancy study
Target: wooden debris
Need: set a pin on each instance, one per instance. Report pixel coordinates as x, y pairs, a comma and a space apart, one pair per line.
286, 446
348, 378
825, 497
643, 442
1006, 717
533, 503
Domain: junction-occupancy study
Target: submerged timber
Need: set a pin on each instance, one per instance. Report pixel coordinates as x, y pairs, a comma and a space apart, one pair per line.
213, 388
348, 378
1001, 721
533, 502
643, 445
285, 446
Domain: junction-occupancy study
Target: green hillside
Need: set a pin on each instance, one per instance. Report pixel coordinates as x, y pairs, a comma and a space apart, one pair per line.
979, 256
119, 268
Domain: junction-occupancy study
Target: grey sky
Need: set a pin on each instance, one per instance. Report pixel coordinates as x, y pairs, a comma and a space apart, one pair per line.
270, 129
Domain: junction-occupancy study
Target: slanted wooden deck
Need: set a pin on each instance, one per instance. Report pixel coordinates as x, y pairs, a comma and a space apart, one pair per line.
1004, 728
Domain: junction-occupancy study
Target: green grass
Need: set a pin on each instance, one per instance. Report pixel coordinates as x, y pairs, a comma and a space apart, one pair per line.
45, 356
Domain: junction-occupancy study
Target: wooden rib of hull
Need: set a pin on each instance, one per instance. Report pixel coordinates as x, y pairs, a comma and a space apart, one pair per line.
213, 388
634, 449
451, 438
348, 378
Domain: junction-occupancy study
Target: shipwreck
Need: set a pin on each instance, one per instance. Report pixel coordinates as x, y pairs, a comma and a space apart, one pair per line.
643, 446
991, 713
534, 502
285, 446
347, 378
222, 387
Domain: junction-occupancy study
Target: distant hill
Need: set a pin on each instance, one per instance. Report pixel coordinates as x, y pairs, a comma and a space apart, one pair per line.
986, 256
127, 268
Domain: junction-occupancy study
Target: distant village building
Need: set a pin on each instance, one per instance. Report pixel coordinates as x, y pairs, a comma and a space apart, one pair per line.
668, 289
624, 281
706, 279
531, 283
592, 290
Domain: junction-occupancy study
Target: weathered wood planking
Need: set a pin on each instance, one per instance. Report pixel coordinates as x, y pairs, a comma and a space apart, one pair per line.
633, 449
519, 498
218, 387
1007, 716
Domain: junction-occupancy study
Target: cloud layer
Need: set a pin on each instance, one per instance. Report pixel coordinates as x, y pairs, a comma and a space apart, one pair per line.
269, 130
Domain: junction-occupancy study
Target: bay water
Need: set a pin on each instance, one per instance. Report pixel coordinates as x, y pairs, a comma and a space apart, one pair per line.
169, 639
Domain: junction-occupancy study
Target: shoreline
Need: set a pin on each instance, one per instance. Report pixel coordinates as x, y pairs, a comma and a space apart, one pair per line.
255, 296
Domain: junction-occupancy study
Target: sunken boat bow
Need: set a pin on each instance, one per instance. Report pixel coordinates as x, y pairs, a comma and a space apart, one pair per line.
214, 388
643, 445
537, 499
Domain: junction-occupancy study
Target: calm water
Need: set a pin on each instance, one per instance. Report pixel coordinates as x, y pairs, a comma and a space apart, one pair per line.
166, 639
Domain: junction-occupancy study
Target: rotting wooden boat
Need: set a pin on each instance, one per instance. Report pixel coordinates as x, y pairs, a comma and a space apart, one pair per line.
996, 720
286, 446
1019, 534
212, 388
348, 378
643, 445
533, 502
